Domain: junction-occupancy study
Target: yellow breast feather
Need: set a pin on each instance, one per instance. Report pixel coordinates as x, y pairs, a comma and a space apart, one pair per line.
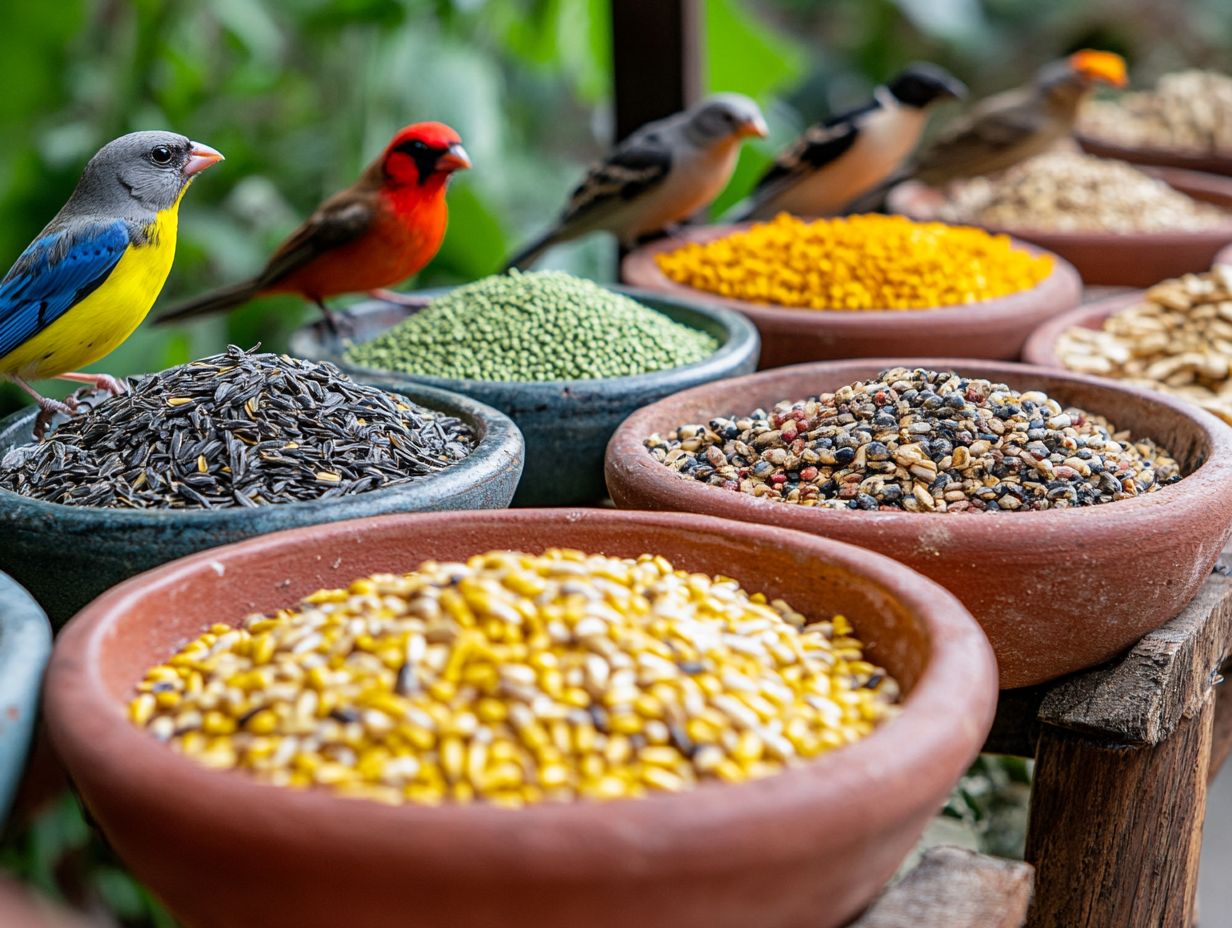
97, 325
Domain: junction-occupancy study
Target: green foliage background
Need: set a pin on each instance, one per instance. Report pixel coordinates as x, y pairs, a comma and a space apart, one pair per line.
299, 94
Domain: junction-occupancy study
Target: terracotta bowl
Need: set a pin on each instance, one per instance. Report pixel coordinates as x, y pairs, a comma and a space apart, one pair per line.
1139, 259
67, 555
566, 423
1157, 157
805, 849
25, 646
991, 329
1055, 591
1041, 347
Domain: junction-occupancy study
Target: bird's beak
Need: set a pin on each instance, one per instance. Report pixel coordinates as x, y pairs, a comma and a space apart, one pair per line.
1103, 67
200, 158
753, 128
455, 158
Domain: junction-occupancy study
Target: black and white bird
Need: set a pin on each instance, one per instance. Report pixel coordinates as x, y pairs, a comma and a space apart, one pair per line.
660, 175
836, 161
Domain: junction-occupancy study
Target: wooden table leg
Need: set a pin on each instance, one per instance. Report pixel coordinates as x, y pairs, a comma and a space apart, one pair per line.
1116, 831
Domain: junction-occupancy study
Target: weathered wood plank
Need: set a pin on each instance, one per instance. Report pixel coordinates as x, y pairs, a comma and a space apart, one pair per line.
1221, 738
1116, 831
1167, 675
954, 888
656, 60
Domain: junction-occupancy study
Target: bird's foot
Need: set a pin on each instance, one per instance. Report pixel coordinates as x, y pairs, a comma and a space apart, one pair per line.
409, 300
98, 381
48, 410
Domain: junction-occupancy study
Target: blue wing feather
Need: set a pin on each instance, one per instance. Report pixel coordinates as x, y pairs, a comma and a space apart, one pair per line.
55, 273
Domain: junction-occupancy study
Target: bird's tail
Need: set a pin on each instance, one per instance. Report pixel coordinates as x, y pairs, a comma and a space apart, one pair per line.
212, 302
530, 254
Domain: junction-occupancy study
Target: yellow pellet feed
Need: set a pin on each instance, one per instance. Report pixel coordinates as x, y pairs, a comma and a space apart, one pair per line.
513, 679
857, 263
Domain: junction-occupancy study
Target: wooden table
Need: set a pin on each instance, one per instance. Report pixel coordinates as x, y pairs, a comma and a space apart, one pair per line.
1123, 757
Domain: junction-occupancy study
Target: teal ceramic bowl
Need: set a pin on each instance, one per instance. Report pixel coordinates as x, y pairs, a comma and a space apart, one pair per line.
25, 646
566, 423
67, 555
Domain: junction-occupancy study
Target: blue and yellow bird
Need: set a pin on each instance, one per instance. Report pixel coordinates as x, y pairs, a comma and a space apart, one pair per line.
89, 279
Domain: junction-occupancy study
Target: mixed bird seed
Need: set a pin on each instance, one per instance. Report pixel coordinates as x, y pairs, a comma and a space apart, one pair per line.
856, 263
1189, 111
236, 429
1067, 191
515, 678
541, 325
1177, 339
920, 441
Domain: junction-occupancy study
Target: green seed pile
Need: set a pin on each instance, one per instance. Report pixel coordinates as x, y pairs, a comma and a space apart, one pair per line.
920, 441
514, 679
543, 325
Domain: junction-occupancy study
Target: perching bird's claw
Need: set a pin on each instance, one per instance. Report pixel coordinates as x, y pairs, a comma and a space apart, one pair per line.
408, 300
48, 410
98, 382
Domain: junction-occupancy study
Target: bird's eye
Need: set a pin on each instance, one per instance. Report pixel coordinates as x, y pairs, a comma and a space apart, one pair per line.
419, 145
160, 154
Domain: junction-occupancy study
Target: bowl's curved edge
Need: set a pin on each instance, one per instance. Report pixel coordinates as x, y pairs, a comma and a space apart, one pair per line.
1061, 289
1202, 498
105, 546
740, 343
91, 729
1040, 347
1156, 156
25, 647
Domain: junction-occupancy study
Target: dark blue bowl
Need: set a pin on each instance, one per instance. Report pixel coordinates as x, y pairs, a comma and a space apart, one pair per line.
25, 646
566, 423
68, 555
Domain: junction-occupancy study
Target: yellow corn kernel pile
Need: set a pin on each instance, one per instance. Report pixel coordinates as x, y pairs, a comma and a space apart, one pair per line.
514, 679
857, 263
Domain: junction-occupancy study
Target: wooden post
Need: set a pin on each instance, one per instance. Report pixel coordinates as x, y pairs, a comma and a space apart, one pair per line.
1116, 831
656, 59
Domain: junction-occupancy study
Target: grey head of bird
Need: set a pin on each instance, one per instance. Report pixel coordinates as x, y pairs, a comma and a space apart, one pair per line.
921, 84
148, 170
724, 117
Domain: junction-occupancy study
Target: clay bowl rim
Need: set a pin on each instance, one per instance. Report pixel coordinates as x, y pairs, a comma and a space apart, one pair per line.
500, 436
1224, 255
1198, 185
640, 266
1040, 348
740, 340
628, 463
1207, 162
90, 726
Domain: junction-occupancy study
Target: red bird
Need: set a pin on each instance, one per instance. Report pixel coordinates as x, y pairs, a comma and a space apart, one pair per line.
378, 232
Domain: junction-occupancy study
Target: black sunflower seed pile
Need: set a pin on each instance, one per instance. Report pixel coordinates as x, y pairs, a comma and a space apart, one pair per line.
920, 441
236, 429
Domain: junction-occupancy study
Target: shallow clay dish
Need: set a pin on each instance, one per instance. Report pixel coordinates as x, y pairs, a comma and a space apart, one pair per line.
67, 555
804, 849
1157, 157
1056, 591
1224, 256
1041, 347
1138, 259
25, 645
990, 329
566, 423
